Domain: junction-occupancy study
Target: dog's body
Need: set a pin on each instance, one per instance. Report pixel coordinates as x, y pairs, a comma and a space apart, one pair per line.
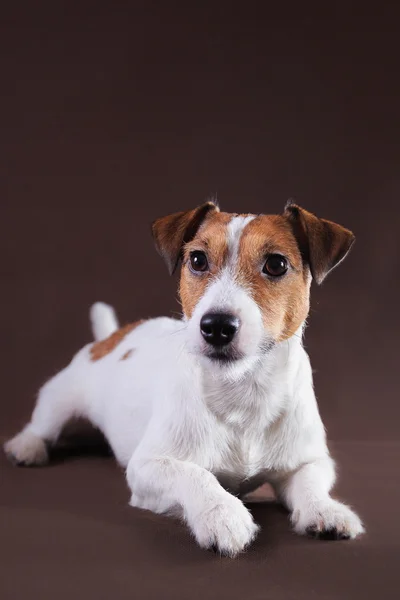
189, 405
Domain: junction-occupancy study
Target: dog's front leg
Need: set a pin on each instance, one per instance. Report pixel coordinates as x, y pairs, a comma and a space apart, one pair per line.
215, 517
306, 494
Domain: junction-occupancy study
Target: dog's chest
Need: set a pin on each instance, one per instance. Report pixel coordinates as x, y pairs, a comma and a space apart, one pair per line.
242, 463
246, 418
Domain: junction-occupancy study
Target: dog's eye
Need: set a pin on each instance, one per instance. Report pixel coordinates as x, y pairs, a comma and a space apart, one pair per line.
275, 265
198, 261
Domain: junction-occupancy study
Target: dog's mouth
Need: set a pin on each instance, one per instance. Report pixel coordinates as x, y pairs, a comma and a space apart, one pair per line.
223, 355
226, 355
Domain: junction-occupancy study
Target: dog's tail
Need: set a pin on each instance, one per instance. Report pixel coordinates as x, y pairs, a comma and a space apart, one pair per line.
104, 320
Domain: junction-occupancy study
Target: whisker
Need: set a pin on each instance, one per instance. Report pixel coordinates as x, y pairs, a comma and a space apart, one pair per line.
178, 330
182, 349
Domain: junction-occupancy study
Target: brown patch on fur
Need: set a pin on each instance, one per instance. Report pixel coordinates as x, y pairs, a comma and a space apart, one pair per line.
127, 354
104, 347
172, 232
284, 301
213, 240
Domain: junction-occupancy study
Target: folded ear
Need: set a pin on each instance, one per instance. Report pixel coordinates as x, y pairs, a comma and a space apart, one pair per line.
323, 244
170, 233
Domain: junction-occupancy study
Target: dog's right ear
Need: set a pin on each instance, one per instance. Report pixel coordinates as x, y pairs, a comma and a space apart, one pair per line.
170, 233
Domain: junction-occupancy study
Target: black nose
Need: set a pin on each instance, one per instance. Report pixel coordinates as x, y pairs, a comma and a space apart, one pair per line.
218, 329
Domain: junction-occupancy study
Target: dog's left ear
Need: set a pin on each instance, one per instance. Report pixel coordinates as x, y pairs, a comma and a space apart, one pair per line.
323, 244
170, 233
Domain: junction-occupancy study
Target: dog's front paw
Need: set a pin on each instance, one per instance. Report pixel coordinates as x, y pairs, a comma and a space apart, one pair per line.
329, 520
227, 526
26, 449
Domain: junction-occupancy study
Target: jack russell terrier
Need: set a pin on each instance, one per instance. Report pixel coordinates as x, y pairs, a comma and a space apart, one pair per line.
203, 410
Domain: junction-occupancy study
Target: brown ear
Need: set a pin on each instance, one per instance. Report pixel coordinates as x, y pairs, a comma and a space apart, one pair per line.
323, 244
173, 231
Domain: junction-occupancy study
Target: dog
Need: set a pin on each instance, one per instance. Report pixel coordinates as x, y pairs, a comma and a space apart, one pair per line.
203, 410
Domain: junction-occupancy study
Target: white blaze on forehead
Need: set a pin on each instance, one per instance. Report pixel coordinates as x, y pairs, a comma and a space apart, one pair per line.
235, 230
226, 295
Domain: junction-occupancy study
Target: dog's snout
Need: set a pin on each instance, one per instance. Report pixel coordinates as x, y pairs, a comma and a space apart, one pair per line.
219, 329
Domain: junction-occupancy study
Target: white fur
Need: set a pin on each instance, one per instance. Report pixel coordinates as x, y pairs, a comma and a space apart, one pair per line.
103, 319
27, 448
182, 425
235, 229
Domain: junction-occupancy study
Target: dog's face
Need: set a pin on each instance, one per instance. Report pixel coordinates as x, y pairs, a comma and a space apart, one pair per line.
245, 279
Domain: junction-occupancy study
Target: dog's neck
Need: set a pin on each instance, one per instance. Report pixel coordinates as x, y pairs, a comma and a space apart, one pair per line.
256, 393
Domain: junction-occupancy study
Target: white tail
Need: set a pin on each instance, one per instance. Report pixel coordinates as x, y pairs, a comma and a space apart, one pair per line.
104, 320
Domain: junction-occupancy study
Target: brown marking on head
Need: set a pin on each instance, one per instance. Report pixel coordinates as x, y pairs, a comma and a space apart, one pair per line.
172, 232
312, 247
104, 347
212, 239
283, 301
127, 354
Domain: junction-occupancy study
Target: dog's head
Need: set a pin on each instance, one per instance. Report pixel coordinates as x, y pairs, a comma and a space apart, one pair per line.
245, 279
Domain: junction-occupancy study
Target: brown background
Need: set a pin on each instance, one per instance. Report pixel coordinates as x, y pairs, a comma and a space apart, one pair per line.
112, 114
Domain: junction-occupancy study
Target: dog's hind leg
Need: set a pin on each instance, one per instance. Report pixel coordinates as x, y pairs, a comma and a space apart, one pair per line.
59, 400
